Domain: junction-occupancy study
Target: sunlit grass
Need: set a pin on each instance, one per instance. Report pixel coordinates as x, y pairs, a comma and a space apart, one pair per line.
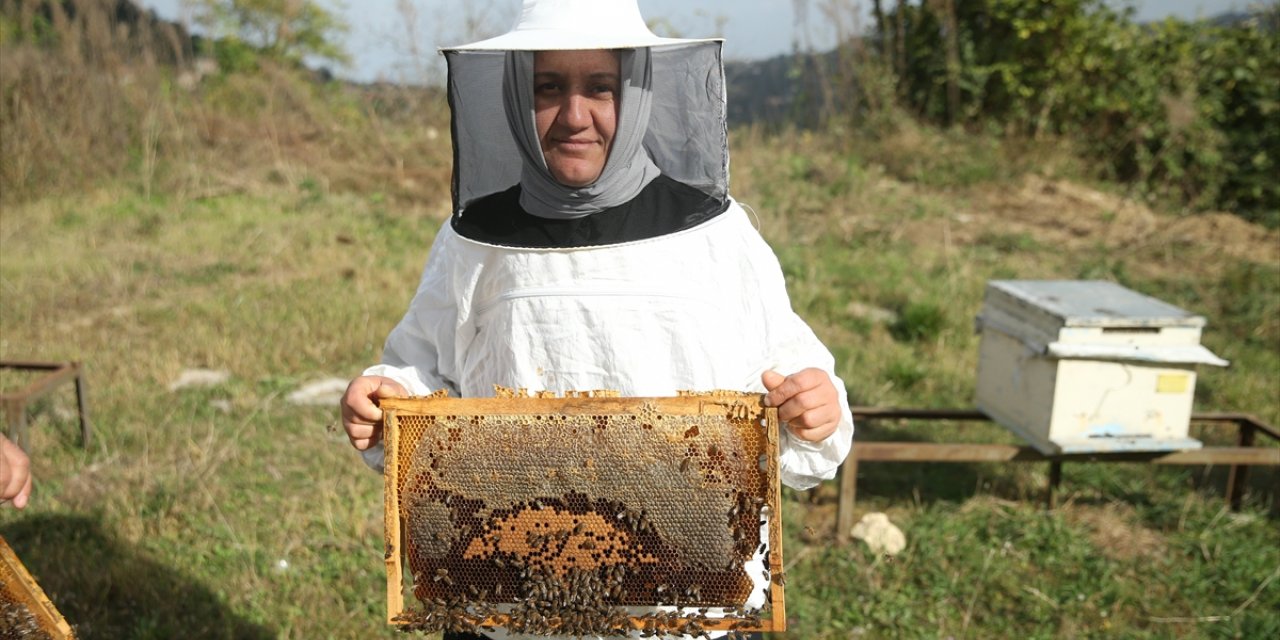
224, 512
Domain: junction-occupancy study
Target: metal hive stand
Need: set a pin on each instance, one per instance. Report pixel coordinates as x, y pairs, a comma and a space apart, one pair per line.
14, 404
1239, 457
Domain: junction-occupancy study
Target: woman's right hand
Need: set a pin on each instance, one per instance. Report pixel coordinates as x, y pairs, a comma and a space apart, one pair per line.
15, 474
361, 416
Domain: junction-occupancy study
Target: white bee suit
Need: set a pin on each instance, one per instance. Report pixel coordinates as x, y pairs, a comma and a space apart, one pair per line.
702, 309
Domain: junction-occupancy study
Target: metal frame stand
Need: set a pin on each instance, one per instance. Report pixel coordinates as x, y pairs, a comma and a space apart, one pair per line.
15, 404
1240, 457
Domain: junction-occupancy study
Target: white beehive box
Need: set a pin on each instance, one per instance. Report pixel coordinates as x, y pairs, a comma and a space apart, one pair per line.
1088, 366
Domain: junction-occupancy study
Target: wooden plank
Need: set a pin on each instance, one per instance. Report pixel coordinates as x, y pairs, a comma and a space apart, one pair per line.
1242, 419
673, 405
778, 613
896, 413
942, 452
43, 384
637, 623
391, 527
1209, 418
20, 364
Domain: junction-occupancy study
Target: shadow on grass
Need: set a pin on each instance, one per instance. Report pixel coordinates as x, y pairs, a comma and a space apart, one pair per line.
106, 588
924, 482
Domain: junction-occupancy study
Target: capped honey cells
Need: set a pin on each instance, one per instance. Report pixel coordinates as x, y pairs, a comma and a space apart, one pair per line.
579, 515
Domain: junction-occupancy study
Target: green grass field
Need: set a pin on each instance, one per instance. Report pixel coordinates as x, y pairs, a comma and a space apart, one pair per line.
226, 512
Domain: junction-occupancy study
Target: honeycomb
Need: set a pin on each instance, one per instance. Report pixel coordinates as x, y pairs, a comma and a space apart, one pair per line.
578, 515
25, 614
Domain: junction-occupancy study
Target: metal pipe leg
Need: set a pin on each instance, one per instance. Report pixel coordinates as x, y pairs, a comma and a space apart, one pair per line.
15, 413
1239, 475
848, 495
1055, 479
82, 401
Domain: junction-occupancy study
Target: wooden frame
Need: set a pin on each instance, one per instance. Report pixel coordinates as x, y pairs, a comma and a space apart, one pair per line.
18, 582
1239, 458
14, 404
717, 403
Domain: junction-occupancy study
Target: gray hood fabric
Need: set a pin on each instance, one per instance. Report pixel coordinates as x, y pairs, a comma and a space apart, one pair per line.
684, 137
628, 168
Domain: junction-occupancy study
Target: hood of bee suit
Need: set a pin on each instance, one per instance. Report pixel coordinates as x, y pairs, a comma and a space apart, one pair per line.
684, 136
628, 168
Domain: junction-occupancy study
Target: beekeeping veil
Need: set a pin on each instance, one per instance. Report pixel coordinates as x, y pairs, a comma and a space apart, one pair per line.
685, 135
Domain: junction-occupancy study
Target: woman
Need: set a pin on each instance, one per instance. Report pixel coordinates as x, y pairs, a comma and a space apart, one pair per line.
617, 261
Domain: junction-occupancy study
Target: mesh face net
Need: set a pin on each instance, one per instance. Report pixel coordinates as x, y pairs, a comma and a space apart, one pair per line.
687, 135
558, 514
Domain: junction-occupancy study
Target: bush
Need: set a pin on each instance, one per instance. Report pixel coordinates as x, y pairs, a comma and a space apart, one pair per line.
1185, 111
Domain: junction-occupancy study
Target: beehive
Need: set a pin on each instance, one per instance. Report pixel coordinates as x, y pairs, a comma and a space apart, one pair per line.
1079, 367
25, 612
583, 515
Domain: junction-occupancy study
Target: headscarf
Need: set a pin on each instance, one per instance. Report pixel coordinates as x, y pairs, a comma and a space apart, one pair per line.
627, 170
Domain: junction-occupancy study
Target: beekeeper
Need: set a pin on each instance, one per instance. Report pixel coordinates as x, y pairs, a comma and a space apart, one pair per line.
593, 243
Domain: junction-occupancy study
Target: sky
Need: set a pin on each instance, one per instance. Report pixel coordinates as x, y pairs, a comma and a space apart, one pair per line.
385, 44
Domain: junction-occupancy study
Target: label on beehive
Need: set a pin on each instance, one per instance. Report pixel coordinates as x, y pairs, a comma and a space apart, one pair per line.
1172, 383
571, 515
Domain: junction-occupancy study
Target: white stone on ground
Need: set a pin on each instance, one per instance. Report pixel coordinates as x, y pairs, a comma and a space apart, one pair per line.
871, 313
880, 535
199, 378
320, 392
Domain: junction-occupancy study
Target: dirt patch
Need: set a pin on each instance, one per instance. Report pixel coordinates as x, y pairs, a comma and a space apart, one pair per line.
819, 523
1224, 233
1070, 216
1115, 532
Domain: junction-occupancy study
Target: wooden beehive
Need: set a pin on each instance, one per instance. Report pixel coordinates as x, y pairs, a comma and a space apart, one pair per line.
25, 612
1088, 366
584, 514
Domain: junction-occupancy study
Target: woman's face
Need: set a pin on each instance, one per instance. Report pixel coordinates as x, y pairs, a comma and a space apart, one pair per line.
575, 97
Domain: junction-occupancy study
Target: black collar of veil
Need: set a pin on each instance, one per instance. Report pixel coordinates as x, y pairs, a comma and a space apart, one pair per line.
627, 170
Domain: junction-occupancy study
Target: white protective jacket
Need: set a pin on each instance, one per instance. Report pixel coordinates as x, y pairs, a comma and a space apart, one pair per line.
701, 309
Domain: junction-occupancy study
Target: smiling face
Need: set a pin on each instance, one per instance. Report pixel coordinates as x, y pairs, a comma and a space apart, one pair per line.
575, 97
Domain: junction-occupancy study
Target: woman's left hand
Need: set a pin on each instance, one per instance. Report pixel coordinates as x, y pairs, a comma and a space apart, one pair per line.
806, 401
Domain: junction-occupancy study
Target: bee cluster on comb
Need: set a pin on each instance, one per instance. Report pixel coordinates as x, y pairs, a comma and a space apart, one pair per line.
588, 514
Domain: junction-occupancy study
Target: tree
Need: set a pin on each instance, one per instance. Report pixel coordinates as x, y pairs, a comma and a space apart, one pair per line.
286, 29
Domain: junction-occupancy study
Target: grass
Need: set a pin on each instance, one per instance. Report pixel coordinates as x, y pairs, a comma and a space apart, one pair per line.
282, 256
260, 287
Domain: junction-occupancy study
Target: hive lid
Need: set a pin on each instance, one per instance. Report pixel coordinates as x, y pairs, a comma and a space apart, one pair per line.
1087, 303
1164, 354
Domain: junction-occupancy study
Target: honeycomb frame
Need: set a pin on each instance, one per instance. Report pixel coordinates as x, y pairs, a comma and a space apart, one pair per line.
597, 578
19, 593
